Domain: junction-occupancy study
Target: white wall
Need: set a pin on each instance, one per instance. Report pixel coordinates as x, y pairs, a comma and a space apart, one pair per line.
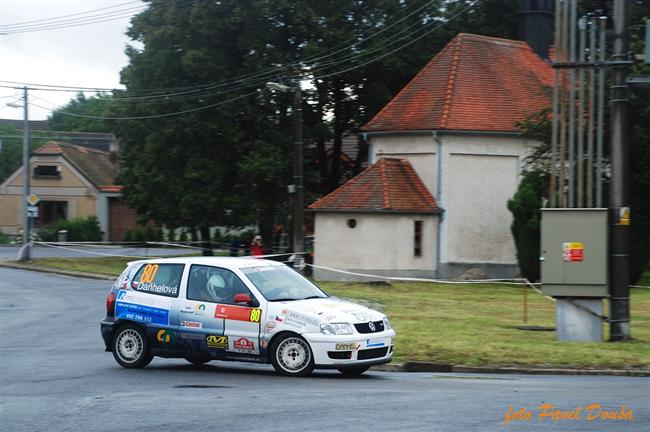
378, 242
479, 173
420, 150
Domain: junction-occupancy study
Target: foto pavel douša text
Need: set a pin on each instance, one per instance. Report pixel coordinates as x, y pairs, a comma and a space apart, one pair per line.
549, 412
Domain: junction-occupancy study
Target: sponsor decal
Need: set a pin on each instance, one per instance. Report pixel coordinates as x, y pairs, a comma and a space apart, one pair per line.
191, 324
347, 347
278, 319
135, 306
270, 326
374, 343
151, 287
238, 313
244, 345
220, 342
165, 336
199, 309
300, 320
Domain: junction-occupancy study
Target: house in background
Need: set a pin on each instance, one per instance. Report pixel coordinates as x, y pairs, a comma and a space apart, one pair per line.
72, 181
455, 123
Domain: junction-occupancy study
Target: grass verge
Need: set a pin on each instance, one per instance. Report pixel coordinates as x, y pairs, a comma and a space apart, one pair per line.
466, 324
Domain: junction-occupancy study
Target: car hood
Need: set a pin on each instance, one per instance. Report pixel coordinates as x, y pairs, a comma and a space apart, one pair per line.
332, 309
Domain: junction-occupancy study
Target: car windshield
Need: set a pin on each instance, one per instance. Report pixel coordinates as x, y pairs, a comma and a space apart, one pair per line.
280, 283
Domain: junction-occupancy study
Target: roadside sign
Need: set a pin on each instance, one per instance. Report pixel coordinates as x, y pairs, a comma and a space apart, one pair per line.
32, 211
33, 199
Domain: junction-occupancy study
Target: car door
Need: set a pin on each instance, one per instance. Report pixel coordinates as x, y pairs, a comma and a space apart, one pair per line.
209, 313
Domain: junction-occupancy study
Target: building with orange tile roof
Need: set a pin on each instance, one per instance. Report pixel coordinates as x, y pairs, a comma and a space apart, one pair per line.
72, 181
455, 126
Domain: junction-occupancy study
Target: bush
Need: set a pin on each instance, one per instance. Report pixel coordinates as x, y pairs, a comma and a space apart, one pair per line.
525, 208
78, 230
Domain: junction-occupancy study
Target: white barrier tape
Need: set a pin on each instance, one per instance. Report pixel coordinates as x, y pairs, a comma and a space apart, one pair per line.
91, 252
639, 286
291, 255
513, 281
177, 245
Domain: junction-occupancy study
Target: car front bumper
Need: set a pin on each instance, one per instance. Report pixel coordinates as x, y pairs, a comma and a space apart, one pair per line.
333, 351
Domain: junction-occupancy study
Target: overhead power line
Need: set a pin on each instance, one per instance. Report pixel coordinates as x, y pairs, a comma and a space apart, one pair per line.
58, 22
204, 91
244, 79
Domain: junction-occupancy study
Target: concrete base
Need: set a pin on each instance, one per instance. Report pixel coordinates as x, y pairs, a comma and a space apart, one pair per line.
576, 324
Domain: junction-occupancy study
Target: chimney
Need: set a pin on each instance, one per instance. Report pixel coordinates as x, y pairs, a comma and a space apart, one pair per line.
536, 21
113, 150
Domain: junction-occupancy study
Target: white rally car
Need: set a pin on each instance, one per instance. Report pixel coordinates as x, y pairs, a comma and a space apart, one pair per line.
241, 309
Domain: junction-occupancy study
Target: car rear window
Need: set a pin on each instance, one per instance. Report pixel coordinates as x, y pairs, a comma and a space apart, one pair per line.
160, 279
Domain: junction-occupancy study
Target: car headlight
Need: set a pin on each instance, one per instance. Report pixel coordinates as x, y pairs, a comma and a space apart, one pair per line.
336, 328
387, 325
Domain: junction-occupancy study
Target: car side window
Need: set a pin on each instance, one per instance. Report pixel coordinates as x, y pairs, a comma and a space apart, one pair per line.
214, 284
160, 279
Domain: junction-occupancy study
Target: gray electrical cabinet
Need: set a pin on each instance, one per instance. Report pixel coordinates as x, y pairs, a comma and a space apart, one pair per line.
574, 252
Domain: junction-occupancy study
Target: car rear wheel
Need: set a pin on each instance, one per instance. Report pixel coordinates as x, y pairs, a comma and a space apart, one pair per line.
131, 347
291, 355
353, 371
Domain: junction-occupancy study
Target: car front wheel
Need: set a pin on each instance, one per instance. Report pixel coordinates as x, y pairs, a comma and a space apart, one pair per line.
291, 355
131, 347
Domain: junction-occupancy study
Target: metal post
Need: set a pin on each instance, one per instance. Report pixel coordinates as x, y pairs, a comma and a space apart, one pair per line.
556, 91
582, 24
601, 113
298, 216
26, 253
572, 106
563, 127
619, 248
590, 127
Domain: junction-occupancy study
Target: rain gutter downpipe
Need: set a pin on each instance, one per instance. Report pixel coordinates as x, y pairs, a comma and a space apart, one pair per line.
438, 191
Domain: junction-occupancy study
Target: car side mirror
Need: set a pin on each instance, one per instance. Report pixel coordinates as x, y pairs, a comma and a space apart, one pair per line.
242, 299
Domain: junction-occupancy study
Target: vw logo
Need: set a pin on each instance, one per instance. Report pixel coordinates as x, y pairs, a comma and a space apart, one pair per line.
371, 325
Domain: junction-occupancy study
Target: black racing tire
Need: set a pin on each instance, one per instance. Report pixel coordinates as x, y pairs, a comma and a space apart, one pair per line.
353, 370
291, 355
198, 361
131, 347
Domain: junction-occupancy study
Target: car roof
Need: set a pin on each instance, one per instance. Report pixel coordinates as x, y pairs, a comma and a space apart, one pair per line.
226, 262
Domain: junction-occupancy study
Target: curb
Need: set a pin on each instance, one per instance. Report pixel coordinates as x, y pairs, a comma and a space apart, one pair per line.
446, 368
412, 366
57, 271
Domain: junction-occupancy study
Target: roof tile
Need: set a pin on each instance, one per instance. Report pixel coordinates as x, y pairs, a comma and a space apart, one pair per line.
474, 83
389, 184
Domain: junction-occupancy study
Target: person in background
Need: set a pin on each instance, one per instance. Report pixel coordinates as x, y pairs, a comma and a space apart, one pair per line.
257, 249
234, 247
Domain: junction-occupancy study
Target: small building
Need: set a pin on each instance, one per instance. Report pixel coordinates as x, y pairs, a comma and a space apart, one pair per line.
72, 182
456, 123
383, 221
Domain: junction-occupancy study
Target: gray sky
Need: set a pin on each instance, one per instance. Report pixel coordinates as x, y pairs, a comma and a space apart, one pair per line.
91, 55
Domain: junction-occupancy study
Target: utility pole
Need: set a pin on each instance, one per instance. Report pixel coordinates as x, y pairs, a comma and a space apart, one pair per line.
619, 249
299, 204
26, 254
298, 161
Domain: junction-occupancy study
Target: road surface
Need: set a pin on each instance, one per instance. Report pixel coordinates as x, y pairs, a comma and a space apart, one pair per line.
55, 376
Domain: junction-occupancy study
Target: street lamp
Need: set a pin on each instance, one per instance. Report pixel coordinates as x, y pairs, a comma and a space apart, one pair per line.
25, 250
298, 203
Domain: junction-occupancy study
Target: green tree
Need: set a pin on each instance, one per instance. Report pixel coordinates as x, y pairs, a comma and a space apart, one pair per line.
95, 106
